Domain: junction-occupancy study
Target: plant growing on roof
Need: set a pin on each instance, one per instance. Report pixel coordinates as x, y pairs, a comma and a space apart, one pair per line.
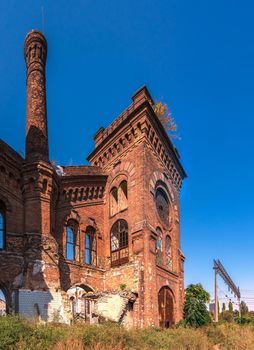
165, 116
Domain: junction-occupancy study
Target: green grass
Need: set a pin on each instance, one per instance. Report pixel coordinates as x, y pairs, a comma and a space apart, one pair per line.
22, 335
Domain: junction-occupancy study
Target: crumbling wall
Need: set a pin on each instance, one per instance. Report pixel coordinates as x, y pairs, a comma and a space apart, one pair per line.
47, 306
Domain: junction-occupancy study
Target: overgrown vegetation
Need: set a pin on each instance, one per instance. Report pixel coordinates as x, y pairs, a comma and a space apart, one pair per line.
165, 116
196, 332
21, 335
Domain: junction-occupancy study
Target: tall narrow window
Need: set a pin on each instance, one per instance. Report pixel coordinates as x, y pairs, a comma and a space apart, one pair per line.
113, 201
90, 246
119, 243
159, 246
118, 198
2, 226
71, 240
168, 253
122, 196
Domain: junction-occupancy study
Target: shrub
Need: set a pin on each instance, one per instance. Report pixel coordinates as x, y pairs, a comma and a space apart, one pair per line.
12, 330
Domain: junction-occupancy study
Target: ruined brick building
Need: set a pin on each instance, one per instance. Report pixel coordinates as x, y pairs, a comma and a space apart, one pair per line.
100, 241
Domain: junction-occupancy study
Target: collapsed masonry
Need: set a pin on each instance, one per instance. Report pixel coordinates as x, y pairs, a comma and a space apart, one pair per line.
72, 237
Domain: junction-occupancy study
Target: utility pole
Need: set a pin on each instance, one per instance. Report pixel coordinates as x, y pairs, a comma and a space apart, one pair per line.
219, 269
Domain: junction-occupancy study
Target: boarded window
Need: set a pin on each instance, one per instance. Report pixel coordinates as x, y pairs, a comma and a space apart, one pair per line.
119, 243
113, 201
118, 198
122, 196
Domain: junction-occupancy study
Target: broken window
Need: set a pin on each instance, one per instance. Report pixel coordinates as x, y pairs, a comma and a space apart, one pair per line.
90, 246
2, 226
72, 240
119, 243
159, 246
168, 253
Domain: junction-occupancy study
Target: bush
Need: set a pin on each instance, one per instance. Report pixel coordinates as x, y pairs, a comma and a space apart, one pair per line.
12, 330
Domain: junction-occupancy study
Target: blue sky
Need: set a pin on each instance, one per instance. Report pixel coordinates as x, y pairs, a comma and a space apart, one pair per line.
197, 56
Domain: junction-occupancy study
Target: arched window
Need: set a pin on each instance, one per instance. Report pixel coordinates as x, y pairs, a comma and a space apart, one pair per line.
162, 204
118, 198
2, 226
113, 201
168, 253
122, 196
119, 243
71, 240
90, 246
159, 246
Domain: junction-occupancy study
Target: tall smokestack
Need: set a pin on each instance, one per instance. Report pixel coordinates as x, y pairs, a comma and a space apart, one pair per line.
36, 111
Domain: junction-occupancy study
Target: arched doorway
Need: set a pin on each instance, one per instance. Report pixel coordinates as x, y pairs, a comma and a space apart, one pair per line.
81, 299
166, 307
3, 308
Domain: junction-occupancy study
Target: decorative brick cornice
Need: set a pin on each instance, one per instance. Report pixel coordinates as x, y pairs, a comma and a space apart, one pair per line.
85, 193
137, 122
35, 51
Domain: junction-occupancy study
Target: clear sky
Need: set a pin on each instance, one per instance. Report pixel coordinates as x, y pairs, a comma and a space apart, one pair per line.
197, 56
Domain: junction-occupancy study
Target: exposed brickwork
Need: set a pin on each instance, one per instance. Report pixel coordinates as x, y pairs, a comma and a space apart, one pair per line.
36, 122
133, 159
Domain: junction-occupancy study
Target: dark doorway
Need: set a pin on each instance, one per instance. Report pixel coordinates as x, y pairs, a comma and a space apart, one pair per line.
166, 307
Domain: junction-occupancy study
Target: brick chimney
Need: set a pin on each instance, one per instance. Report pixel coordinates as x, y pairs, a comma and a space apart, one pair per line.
36, 111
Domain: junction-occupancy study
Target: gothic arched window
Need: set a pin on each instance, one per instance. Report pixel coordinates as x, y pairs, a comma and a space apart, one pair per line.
159, 246
168, 253
90, 246
2, 226
119, 243
71, 240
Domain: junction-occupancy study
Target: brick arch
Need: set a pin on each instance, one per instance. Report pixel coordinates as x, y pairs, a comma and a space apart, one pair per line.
72, 215
126, 168
6, 202
166, 306
90, 221
159, 176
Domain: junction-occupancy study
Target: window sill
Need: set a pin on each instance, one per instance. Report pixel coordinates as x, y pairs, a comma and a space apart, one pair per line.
119, 263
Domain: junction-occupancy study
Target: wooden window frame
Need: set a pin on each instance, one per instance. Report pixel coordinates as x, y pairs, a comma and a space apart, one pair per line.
74, 226
120, 254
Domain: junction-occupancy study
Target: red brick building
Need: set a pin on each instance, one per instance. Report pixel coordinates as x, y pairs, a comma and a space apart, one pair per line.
99, 241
